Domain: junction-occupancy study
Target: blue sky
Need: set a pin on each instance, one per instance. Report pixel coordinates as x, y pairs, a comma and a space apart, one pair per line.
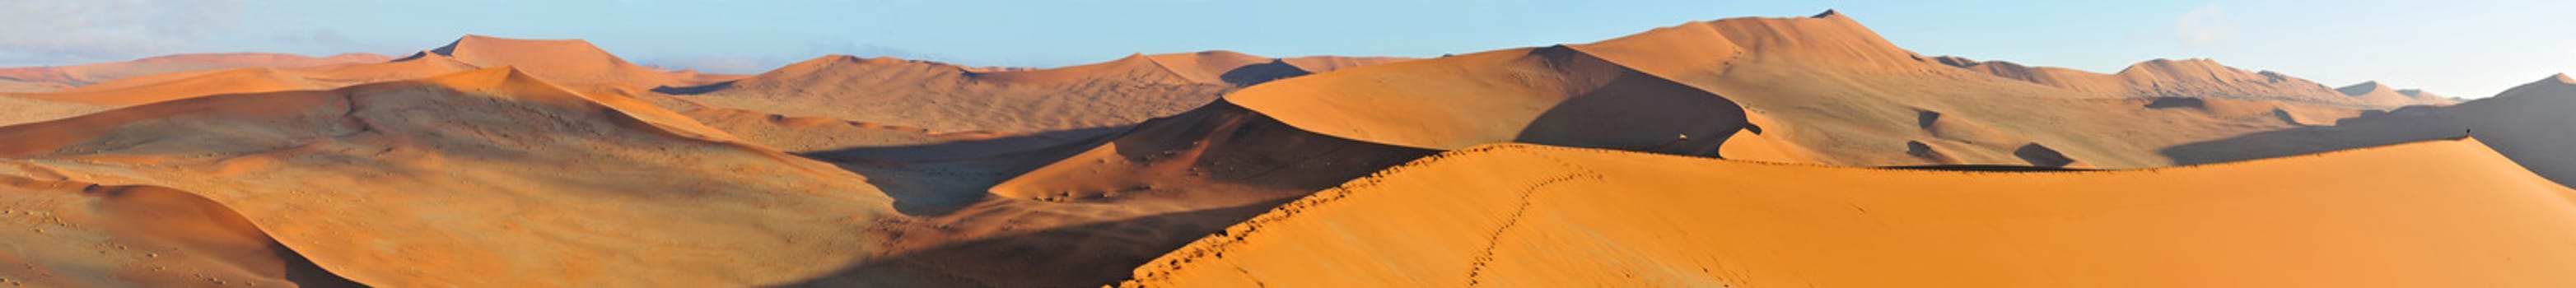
2469, 48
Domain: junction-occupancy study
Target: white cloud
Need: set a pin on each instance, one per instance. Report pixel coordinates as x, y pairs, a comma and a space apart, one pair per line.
59, 31
2206, 25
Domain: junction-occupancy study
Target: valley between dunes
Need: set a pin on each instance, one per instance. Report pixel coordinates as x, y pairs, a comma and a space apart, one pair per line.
1741, 152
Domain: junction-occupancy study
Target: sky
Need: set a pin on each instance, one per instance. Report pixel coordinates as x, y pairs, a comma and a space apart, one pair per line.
2460, 48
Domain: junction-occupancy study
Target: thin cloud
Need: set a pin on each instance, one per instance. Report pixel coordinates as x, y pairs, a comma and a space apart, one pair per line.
2204, 26
60, 31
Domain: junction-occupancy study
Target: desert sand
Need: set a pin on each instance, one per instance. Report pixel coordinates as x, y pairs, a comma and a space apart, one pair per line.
1539, 216
497, 162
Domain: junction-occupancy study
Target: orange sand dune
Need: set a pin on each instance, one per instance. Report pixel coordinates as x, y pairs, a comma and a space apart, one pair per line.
1536, 216
2198, 78
2529, 124
487, 178
1835, 92
82, 75
1563, 97
949, 98
1229, 67
570, 61
495, 178
71, 234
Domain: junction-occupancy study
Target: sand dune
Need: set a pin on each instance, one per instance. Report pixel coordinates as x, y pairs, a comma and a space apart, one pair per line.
951, 98
570, 61
2195, 78
70, 234
2528, 124
1836, 93
2380, 94
1523, 215
1564, 98
404, 183
86, 74
495, 162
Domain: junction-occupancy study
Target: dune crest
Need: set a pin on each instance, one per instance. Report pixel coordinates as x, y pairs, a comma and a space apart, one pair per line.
1526, 215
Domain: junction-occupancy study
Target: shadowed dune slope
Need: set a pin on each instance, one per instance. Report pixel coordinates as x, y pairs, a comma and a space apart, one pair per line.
486, 178
87, 74
2529, 124
1084, 216
1537, 216
71, 234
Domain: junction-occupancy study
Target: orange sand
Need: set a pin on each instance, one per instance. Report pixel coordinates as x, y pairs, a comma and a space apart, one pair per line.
1535, 216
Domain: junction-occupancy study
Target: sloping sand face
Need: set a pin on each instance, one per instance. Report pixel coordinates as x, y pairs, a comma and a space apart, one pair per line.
1534, 216
486, 179
72, 234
